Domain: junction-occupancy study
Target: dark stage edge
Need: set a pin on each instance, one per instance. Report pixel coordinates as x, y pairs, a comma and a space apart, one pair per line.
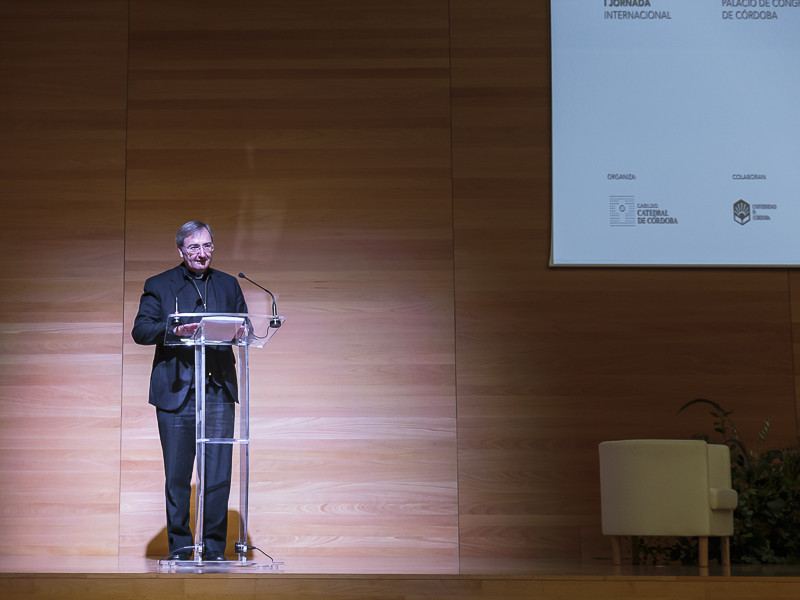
113, 579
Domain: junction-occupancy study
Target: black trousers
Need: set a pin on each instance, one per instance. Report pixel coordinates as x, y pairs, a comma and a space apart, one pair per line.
178, 444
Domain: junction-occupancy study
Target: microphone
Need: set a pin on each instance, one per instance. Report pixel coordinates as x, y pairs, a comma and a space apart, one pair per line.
275, 322
176, 320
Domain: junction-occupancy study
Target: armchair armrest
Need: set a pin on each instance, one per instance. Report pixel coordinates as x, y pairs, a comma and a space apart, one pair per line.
723, 499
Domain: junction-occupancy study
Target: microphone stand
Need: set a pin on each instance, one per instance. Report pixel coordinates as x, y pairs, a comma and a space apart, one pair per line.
275, 322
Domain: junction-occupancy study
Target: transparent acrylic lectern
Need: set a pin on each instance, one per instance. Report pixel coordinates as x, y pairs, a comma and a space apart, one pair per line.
223, 329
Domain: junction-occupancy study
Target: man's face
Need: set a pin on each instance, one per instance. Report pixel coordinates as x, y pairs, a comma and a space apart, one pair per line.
196, 251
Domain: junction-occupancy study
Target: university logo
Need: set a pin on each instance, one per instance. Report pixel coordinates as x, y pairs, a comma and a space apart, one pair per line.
741, 212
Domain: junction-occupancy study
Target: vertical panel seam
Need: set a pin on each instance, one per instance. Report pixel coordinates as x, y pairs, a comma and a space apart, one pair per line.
123, 270
454, 283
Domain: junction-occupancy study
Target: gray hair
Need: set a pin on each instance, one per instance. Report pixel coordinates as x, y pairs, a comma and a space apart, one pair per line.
191, 228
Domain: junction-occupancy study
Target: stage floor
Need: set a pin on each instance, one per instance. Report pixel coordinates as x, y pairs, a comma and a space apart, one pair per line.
89, 578
388, 567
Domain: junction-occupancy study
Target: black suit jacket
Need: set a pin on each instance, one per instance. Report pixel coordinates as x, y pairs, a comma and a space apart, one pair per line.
172, 377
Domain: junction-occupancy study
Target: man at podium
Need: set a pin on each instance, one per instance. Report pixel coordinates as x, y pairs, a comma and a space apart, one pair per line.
191, 287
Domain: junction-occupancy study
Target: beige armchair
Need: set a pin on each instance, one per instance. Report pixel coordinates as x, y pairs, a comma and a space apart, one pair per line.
667, 488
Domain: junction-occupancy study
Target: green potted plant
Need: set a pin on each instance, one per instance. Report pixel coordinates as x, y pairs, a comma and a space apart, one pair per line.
767, 520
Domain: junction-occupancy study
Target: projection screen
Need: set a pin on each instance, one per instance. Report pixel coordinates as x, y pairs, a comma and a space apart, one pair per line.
676, 132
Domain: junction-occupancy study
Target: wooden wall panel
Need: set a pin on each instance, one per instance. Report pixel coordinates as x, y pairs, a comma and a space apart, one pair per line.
551, 362
62, 148
436, 397
314, 137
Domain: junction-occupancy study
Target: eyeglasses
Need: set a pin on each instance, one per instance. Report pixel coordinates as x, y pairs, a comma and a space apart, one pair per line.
194, 249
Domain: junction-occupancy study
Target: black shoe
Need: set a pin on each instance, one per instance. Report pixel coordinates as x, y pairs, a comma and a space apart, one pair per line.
182, 555
213, 556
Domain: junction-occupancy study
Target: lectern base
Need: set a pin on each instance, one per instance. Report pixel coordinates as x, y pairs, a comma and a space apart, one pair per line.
221, 566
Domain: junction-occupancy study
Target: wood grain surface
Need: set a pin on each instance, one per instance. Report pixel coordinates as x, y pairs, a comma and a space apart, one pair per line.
438, 391
62, 117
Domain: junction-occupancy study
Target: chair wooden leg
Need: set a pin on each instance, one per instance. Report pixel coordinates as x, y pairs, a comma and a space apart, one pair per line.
702, 550
725, 544
616, 549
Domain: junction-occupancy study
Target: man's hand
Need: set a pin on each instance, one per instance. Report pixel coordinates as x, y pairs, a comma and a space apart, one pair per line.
186, 330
